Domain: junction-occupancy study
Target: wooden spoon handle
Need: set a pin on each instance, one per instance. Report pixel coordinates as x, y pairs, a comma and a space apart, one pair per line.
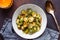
56, 22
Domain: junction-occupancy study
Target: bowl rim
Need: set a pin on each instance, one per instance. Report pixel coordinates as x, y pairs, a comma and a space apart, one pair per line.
35, 5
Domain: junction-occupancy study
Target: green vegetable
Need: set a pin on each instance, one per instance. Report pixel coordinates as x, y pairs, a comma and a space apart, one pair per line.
26, 31
29, 10
21, 20
29, 21
23, 11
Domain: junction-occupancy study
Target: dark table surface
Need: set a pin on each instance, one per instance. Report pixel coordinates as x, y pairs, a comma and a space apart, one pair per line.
7, 13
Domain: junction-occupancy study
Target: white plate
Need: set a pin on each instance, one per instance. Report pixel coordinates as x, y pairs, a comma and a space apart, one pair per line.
43, 23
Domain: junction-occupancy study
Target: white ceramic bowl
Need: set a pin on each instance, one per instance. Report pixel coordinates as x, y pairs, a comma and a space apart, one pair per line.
43, 23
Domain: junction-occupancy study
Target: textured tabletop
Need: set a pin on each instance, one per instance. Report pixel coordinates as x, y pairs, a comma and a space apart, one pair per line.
7, 13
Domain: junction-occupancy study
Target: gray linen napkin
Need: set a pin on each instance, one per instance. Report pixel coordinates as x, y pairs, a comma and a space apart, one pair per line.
8, 34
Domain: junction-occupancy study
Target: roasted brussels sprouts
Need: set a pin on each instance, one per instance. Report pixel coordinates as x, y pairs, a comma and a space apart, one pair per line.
29, 21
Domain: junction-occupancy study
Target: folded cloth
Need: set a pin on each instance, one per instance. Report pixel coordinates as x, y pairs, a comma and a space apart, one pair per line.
9, 34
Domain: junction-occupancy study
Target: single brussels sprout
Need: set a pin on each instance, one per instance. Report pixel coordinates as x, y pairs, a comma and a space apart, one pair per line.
38, 28
26, 31
34, 14
29, 10
21, 19
23, 12
31, 19
25, 19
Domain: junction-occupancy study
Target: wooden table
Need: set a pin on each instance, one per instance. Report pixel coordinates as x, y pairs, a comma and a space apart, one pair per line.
7, 13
